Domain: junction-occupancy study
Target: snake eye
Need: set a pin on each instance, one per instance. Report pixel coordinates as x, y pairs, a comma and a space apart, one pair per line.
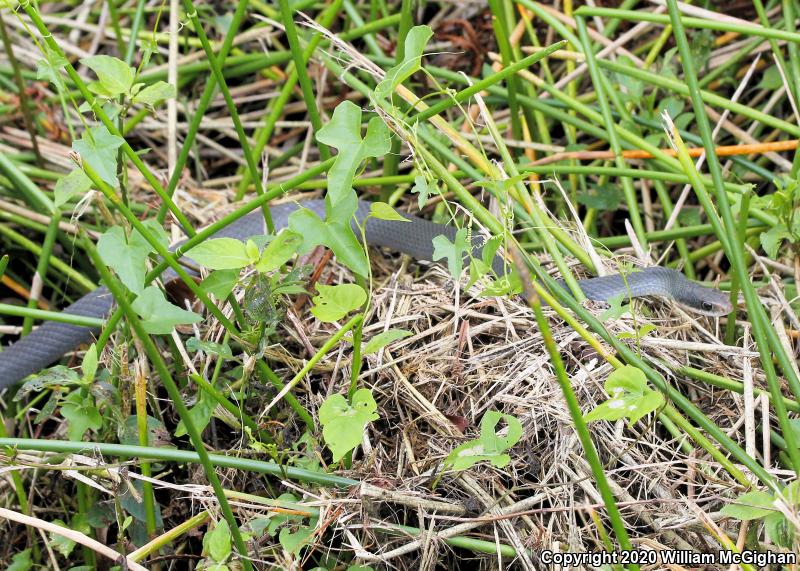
707, 306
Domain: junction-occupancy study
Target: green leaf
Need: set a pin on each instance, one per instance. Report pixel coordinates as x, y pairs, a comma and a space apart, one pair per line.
81, 415
630, 397
59, 542
453, 251
126, 256
381, 340
779, 530
89, 364
48, 69
21, 561
490, 446
209, 347
416, 40
383, 211
771, 80
606, 197
200, 413
772, 239
155, 94
293, 542
221, 254
52, 377
217, 542
220, 283
98, 148
343, 424
422, 189
335, 233
751, 505
69, 185
279, 251
334, 302
343, 132
159, 317
114, 76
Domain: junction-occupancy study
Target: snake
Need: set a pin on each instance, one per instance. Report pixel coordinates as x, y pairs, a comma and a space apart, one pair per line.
49, 342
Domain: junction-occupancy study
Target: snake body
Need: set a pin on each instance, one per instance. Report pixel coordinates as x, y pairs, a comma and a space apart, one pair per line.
52, 340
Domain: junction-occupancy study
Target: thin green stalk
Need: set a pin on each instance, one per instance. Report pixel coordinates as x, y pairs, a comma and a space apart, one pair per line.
56, 265
57, 316
276, 106
302, 74
181, 456
501, 32
627, 187
477, 86
689, 22
392, 160
725, 232
237, 124
24, 102
41, 269
120, 295
236, 411
590, 452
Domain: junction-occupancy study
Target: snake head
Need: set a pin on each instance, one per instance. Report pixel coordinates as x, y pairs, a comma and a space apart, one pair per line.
705, 300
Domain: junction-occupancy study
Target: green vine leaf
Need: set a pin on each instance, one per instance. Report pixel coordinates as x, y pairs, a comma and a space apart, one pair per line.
154, 94
76, 182
344, 133
416, 40
383, 211
336, 301
222, 254
335, 232
750, 506
126, 255
343, 424
98, 147
455, 251
114, 76
159, 317
81, 415
217, 543
220, 283
630, 397
383, 339
279, 251
490, 446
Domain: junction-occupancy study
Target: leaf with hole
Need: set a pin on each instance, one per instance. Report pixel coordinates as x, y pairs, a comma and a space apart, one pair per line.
334, 302
343, 423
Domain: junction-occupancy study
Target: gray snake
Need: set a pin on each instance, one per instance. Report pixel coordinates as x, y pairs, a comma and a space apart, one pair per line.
52, 340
